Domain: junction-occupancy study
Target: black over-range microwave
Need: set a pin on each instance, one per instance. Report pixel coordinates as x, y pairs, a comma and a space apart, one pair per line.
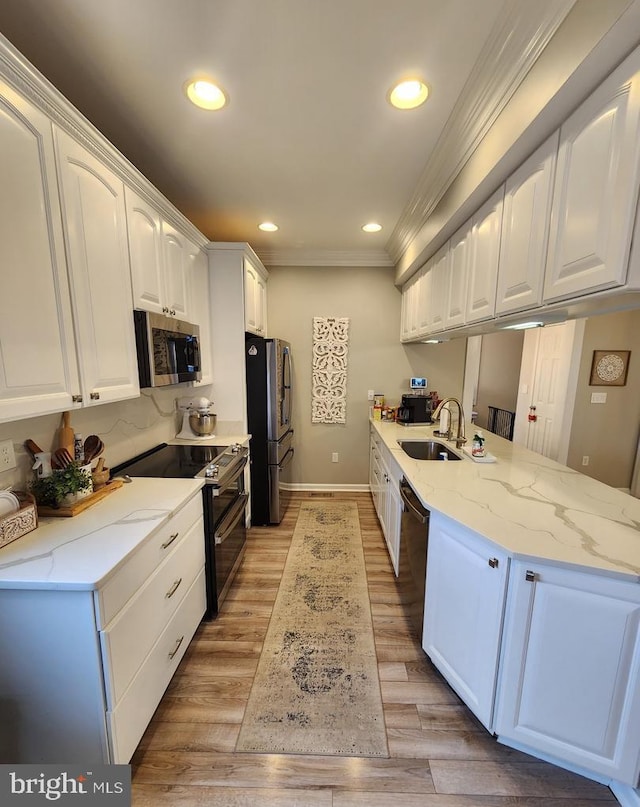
168, 349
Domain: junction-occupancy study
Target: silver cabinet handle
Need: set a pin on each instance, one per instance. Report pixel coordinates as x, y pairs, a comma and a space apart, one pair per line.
173, 589
172, 538
177, 647
530, 576
493, 562
95, 396
76, 398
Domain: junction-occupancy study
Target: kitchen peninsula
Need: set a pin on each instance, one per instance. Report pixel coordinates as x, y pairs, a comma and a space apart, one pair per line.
532, 607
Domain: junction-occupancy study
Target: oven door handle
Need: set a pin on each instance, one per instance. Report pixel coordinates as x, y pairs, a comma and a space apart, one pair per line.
230, 521
232, 479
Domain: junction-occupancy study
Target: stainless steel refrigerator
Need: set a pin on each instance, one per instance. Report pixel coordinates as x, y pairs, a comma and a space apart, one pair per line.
269, 407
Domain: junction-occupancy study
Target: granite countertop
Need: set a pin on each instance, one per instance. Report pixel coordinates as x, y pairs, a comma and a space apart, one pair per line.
84, 551
529, 505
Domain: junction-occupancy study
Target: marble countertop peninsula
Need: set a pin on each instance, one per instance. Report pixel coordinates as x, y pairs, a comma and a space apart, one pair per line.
84, 551
530, 506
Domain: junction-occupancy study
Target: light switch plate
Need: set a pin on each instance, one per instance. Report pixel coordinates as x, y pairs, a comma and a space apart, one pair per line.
598, 397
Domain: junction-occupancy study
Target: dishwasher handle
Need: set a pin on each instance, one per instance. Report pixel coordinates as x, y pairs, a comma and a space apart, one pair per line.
414, 507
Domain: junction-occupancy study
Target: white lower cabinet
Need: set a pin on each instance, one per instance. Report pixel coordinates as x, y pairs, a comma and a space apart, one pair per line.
384, 482
83, 671
465, 593
570, 675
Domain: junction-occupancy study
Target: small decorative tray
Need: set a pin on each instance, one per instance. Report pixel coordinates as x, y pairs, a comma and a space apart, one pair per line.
15, 525
487, 457
82, 504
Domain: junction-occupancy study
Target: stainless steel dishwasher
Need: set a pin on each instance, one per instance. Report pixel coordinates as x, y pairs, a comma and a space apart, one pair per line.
412, 562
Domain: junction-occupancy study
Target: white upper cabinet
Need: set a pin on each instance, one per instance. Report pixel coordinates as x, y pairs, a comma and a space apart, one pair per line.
525, 231
38, 367
255, 299
175, 254
422, 298
483, 259
145, 250
459, 246
596, 189
410, 308
439, 287
94, 222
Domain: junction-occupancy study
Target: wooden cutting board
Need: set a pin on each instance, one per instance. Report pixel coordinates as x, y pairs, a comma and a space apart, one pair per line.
83, 504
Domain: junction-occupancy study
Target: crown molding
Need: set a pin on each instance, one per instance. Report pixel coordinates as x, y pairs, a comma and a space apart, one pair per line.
513, 47
324, 257
32, 85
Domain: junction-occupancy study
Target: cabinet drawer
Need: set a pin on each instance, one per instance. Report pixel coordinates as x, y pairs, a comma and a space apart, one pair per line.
127, 640
142, 563
128, 721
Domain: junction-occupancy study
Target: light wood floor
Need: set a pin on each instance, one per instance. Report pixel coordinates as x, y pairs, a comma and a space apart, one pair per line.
440, 755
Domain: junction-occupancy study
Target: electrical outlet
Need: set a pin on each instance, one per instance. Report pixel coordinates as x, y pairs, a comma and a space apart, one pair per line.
585, 460
334, 457
598, 397
7, 456
370, 395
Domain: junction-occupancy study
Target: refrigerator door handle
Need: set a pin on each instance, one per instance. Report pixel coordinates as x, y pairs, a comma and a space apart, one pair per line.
286, 388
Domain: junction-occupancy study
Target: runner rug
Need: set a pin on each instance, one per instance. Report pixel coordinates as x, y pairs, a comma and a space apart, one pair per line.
316, 689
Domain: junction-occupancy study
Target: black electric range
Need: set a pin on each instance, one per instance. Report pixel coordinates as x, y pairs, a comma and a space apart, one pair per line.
224, 502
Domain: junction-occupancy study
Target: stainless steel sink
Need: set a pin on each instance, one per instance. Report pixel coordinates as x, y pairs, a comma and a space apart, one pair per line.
427, 450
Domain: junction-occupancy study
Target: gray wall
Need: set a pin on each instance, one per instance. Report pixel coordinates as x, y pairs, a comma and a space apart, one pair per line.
608, 433
377, 361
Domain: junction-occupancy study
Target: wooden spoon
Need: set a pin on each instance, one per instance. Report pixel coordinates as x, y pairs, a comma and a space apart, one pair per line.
93, 447
32, 448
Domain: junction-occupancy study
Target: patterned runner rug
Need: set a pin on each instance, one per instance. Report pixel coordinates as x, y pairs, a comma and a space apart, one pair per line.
316, 689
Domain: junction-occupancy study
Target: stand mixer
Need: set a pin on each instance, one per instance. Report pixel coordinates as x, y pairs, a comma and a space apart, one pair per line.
198, 422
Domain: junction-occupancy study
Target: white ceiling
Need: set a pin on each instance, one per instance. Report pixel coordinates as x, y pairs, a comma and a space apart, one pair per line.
308, 139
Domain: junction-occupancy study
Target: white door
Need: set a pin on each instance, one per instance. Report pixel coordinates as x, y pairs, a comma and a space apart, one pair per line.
596, 188
525, 231
570, 668
145, 250
96, 234
548, 377
483, 259
175, 272
465, 591
38, 367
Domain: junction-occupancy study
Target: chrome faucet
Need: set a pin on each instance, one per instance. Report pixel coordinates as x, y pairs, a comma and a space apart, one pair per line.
460, 437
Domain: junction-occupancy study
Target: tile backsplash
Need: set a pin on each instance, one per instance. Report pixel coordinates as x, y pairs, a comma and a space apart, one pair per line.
127, 428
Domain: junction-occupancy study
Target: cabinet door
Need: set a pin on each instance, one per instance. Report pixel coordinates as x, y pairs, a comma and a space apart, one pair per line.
525, 231
38, 369
423, 296
145, 251
457, 281
261, 305
464, 602
198, 275
570, 680
483, 261
393, 514
596, 189
174, 252
250, 297
439, 287
410, 301
96, 236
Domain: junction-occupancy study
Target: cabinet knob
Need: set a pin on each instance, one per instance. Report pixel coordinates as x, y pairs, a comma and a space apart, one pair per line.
530, 576
493, 562
165, 310
76, 398
95, 396
173, 312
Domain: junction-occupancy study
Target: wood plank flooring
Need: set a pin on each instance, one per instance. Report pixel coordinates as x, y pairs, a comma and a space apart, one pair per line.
440, 755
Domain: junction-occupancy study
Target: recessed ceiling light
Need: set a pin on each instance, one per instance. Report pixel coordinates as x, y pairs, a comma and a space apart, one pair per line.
268, 227
372, 227
205, 94
408, 94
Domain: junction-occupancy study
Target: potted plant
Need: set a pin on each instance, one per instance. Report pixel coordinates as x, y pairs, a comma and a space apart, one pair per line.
63, 486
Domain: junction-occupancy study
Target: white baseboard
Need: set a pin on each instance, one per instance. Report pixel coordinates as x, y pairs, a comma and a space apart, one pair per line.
332, 488
627, 796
